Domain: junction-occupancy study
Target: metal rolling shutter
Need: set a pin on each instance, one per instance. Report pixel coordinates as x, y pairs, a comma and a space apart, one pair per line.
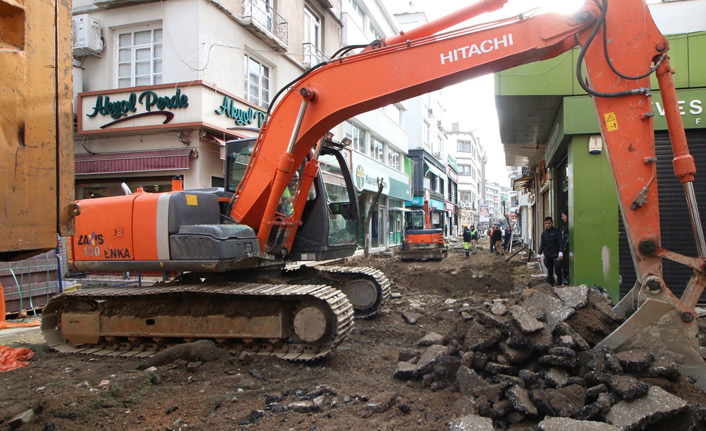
675, 222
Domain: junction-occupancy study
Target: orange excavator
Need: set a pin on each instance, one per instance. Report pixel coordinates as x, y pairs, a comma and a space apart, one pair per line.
421, 241
222, 243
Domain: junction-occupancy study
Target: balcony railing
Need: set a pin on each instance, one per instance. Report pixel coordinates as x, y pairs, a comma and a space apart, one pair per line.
312, 55
259, 16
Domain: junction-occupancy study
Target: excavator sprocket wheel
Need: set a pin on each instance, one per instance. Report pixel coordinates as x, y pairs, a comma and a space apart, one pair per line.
367, 289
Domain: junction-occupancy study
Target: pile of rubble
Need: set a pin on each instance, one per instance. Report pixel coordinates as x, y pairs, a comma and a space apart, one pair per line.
517, 365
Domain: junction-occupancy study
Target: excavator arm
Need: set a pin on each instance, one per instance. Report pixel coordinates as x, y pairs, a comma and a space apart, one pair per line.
620, 48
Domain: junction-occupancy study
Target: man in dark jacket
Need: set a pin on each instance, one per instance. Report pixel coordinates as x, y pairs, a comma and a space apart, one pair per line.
551, 245
497, 240
506, 238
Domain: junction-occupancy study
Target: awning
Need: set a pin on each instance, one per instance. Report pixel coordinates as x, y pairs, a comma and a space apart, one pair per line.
522, 183
433, 169
136, 161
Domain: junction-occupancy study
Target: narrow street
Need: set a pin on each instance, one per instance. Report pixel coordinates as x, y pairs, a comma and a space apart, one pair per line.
364, 383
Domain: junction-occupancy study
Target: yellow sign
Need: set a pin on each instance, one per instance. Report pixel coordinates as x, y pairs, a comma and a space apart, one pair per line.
191, 200
611, 122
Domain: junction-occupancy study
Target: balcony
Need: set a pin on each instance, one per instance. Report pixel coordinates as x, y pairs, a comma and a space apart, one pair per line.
312, 55
265, 23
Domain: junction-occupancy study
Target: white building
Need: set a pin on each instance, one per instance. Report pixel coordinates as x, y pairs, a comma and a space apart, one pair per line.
161, 85
378, 138
493, 201
427, 148
470, 158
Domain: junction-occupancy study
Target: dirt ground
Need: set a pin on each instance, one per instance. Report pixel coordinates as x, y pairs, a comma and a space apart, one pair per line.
353, 387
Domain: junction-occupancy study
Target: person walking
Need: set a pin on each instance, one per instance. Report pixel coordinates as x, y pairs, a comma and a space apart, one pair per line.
506, 239
497, 238
474, 240
551, 246
565, 246
466, 240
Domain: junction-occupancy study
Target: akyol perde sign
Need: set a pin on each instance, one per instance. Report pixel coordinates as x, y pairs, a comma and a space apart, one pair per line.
165, 106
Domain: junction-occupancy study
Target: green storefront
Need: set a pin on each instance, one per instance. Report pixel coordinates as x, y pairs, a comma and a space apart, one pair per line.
542, 106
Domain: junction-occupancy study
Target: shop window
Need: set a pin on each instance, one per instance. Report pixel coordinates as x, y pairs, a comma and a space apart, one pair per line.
257, 81
139, 59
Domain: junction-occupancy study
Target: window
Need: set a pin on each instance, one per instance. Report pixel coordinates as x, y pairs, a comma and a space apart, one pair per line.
357, 136
372, 31
426, 135
263, 12
358, 10
377, 150
393, 159
465, 170
312, 37
464, 146
257, 82
140, 57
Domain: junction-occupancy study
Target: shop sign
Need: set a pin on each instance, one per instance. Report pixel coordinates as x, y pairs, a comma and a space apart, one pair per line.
450, 207
484, 214
242, 117
167, 106
367, 179
437, 205
149, 101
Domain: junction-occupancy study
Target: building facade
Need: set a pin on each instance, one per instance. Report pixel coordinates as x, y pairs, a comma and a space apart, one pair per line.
160, 86
379, 142
428, 149
570, 171
470, 158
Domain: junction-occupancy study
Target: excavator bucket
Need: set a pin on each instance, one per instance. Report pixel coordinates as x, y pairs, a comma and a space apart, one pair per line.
655, 320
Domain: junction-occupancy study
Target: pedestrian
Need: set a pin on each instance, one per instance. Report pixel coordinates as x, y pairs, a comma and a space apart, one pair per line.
466, 240
565, 246
506, 239
551, 247
497, 238
474, 239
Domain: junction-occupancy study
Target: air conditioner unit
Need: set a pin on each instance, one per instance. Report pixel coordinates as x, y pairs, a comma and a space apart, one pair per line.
86, 36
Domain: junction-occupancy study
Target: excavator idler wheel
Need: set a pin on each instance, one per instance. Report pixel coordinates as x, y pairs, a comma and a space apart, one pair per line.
310, 324
362, 293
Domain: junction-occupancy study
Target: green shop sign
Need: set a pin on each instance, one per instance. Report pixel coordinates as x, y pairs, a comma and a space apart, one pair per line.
149, 99
241, 117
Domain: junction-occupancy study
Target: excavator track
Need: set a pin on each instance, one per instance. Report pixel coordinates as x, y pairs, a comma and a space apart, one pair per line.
293, 322
368, 289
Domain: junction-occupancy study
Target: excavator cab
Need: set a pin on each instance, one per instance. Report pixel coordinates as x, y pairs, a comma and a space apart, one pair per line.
330, 220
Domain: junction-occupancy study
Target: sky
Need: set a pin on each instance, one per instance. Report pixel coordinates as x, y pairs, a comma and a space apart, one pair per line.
479, 115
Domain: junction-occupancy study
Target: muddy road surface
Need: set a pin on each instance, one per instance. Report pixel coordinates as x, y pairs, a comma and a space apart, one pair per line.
202, 387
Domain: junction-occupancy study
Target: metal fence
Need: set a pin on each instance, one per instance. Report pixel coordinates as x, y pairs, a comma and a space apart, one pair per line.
261, 14
29, 284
